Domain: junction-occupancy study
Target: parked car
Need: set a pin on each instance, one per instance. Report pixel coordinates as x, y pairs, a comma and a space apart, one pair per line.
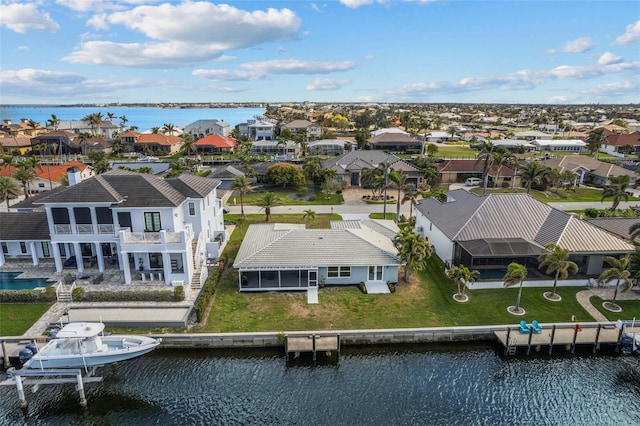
473, 181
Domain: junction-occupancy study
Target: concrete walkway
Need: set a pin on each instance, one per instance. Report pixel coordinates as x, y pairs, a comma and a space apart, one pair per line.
605, 294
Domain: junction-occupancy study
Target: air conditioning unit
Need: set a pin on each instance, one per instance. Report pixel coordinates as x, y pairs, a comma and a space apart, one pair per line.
418, 228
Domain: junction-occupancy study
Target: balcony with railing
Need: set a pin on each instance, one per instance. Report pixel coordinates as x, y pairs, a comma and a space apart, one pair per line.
85, 229
181, 238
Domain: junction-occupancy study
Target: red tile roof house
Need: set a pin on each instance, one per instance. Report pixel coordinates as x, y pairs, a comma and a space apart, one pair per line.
617, 143
158, 143
50, 176
216, 144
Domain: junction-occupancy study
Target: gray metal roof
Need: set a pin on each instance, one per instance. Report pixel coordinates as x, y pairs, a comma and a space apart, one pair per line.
470, 217
388, 228
273, 246
617, 225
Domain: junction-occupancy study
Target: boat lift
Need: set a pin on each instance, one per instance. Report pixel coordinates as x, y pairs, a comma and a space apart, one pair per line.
37, 377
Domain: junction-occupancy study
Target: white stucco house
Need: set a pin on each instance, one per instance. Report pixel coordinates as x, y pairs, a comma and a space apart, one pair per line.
285, 257
148, 227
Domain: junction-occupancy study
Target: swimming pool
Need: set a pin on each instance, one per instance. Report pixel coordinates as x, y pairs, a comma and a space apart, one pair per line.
10, 281
491, 274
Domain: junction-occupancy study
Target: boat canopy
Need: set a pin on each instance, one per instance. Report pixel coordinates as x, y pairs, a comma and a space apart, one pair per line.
80, 330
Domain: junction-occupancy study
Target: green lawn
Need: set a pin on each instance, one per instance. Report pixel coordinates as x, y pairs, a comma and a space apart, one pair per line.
455, 151
579, 195
288, 197
15, 319
630, 309
426, 301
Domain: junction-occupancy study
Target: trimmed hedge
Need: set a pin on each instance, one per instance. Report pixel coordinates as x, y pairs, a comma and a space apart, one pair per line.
79, 295
208, 291
28, 296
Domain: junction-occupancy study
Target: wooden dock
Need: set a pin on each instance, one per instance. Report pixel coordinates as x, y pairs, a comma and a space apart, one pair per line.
312, 343
559, 335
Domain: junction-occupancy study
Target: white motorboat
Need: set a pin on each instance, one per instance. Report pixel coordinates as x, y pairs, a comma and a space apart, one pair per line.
82, 344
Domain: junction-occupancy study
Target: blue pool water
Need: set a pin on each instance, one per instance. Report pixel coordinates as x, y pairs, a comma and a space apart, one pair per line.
9, 281
491, 274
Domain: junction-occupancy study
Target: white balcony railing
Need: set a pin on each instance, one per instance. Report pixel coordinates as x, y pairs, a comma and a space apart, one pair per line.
162, 237
84, 229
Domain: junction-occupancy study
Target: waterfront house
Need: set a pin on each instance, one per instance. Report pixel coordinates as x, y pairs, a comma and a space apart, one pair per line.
13, 144
588, 170
58, 142
24, 237
215, 144
279, 150
260, 130
330, 146
202, 128
145, 226
285, 256
312, 130
50, 176
489, 232
157, 143
106, 128
21, 128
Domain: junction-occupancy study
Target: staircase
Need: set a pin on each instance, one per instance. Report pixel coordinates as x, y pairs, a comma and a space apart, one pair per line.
195, 279
64, 293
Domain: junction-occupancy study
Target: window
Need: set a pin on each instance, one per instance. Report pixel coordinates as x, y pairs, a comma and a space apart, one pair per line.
63, 249
23, 247
152, 222
192, 208
339, 272
45, 249
155, 260
5, 248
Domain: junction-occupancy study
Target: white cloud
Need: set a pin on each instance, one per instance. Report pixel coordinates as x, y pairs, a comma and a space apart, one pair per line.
294, 66
354, 4
185, 34
617, 88
609, 58
520, 80
31, 83
99, 22
260, 70
631, 34
101, 5
21, 18
22, 48
575, 46
227, 75
327, 84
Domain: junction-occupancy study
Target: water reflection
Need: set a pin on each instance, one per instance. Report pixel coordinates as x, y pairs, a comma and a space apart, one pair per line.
388, 385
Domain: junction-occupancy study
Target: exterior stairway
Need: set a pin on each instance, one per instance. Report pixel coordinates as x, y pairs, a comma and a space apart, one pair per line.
64, 294
195, 279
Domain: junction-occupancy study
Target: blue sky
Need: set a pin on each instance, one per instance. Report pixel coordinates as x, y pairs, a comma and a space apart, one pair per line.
508, 51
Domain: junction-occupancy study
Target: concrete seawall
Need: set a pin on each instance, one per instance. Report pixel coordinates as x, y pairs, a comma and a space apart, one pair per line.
347, 337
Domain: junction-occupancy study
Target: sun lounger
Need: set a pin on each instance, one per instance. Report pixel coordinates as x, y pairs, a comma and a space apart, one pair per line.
524, 328
537, 328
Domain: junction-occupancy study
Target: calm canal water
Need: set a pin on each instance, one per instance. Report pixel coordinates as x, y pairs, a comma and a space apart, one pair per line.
383, 386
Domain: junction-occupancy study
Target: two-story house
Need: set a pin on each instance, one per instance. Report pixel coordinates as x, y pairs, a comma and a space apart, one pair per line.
202, 128
312, 131
146, 226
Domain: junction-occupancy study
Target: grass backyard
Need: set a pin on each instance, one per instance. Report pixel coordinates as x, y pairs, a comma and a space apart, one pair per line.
289, 197
426, 301
15, 319
578, 195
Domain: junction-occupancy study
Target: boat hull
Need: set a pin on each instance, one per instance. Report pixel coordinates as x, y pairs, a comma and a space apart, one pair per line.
116, 349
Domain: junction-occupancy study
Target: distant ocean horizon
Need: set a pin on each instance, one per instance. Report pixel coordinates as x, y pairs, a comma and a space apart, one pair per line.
144, 118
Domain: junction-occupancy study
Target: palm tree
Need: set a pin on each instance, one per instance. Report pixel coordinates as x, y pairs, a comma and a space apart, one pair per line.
242, 185
556, 260
411, 196
267, 202
54, 122
594, 140
83, 138
619, 271
309, 215
188, 144
168, 128
533, 172
34, 126
123, 122
412, 250
462, 275
94, 121
516, 274
634, 231
617, 189
397, 180
452, 131
25, 175
487, 156
9, 189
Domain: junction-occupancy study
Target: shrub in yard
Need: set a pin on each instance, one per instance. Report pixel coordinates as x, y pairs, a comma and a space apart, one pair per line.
312, 198
363, 288
77, 294
178, 293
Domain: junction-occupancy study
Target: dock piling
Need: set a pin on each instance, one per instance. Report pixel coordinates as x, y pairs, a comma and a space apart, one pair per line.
553, 335
595, 344
5, 355
529, 342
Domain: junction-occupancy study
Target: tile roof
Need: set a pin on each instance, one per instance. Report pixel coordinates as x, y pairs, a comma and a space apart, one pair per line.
516, 216
24, 226
596, 167
160, 139
217, 141
131, 189
273, 246
16, 142
357, 160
